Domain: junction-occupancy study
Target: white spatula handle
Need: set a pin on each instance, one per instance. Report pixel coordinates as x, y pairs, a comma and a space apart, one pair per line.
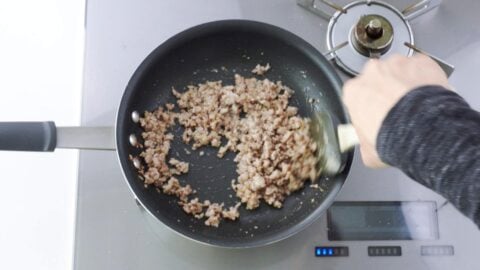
347, 137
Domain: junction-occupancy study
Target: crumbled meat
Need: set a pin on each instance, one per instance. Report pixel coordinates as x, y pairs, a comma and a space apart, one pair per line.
156, 146
193, 207
232, 212
171, 187
261, 70
274, 152
183, 192
213, 214
181, 166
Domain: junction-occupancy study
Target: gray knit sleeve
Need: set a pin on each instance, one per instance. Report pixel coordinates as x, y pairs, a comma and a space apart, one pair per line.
433, 136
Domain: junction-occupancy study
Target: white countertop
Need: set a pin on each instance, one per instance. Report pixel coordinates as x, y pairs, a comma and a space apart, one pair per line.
41, 79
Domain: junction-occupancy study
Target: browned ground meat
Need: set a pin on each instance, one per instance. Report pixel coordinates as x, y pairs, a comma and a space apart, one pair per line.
261, 70
232, 212
180, 166
275, 154
193, 207
214, 214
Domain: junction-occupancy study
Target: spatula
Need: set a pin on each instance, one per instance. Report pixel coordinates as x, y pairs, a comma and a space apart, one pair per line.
333, 140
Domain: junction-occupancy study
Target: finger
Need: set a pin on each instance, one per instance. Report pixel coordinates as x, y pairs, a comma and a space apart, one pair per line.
371, 66
397, 60
348, 93
420, 57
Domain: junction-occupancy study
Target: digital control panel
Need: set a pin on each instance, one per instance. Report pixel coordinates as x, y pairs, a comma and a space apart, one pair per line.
331, 251
382, 220
384, 251
437, 251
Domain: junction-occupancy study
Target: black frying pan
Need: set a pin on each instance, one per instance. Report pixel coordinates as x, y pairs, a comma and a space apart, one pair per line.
191, 57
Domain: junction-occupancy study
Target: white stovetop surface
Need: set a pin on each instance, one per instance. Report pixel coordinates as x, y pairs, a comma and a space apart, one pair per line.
41, 64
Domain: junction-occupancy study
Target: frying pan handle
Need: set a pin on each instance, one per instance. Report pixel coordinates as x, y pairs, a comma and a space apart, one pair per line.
88, 138
28, 136
45, 137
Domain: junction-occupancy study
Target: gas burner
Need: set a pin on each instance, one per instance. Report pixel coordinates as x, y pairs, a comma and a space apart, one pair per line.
370, 29
373, 30
372, 36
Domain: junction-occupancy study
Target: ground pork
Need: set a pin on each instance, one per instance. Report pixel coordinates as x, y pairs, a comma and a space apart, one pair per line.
261, 70
275, 154
214, 214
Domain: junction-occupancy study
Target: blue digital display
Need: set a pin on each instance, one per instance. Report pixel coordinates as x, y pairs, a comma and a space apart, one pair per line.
331, 251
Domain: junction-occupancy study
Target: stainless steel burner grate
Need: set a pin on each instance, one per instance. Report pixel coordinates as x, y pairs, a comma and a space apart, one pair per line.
370, 29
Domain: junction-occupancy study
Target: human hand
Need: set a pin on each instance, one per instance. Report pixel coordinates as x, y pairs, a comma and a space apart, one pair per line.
370, 96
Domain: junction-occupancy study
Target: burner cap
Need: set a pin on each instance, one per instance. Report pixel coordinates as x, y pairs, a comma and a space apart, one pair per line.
372, 36
372, 30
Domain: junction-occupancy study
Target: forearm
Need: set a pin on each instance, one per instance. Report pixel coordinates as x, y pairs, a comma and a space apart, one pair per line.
434, 137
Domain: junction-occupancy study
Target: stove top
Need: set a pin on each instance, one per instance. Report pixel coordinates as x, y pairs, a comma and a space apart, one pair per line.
381, 220
368, 29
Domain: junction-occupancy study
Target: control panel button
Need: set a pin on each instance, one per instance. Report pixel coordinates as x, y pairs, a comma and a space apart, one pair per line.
331, 251
383, 251
437, 251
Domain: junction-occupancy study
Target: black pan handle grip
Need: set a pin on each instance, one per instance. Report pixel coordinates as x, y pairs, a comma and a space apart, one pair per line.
28, 136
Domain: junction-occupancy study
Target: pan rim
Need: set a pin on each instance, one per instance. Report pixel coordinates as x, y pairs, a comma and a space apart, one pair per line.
122, 113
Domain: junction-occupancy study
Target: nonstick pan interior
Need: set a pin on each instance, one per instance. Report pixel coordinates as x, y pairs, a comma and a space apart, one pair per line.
216, 51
